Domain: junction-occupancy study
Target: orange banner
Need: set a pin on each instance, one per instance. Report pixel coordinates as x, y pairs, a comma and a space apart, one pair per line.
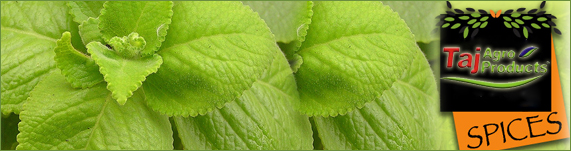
503, 130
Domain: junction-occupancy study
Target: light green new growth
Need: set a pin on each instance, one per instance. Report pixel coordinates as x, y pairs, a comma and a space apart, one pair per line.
128, 46
80, 70
123, 75
60, 117
210, 57
150, 19
89, 31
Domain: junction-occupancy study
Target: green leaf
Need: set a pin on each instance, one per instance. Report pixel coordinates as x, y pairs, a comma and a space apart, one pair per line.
445, 25
294, 60
464, 17
545, 25
29, 32
60, 117
475, 15
472, 21
519, 21
150, 19
89, 31
527, 17
122, 75
484, 25
288, 20
400, 119
455, 26
507, 24
515, 15
541, 19
82, 10
466, 31
484, 18
415, 14
449, 19
128, 46
515, 25
534, 25
506, 18
228, 49
80, 70
476, 25
10, 131
353, 63
525, 32
263, 118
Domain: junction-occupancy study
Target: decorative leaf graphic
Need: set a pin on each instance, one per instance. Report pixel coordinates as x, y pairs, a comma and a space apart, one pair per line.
448, 4
527, 51
515, 25
507, 24
524, 32
528, 29
527, 17
474, 33
534, 25
462, 29
557, 31
516, 32
455, 26
482, 11
472, 21
449, 19
476, 25
519, 21
532, 11
485, 18
484, 25
445, 25
466, 31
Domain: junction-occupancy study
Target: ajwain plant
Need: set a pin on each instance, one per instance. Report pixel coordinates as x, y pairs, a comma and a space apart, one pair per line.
214, 75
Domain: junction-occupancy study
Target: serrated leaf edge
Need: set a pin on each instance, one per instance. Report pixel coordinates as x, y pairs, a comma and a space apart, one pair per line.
110, 85
67, 73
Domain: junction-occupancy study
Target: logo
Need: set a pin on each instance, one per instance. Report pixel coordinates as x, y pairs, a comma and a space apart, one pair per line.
499, 77
473, 61
494, 60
